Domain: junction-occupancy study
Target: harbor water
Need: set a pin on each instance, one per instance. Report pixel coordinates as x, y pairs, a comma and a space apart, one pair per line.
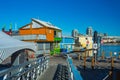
107, 48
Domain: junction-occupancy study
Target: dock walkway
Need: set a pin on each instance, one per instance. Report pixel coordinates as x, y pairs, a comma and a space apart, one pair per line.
50, 72
101, 67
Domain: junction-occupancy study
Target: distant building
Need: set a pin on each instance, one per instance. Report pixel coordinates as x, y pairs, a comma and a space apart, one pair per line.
100, 34
105, 34
110, 39
67, 44
89, 31
75, 33
85, 42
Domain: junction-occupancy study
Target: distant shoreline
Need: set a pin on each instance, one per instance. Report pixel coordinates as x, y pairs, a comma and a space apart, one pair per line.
111, 44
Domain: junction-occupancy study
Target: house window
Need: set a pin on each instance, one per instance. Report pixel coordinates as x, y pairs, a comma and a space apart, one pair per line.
59, 34
54, 33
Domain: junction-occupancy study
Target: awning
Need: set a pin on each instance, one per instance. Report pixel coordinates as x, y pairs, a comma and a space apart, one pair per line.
9, 45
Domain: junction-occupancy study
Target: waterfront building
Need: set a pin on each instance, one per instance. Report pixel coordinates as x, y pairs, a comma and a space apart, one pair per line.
85, 41
75, 33
89, 31
110, 39
46, 35
67, 44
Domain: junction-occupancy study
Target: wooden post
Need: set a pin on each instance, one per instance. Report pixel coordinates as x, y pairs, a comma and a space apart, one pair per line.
112, 63
92, 63
88, 53
110, 54
84, 61
103, 53
119, 55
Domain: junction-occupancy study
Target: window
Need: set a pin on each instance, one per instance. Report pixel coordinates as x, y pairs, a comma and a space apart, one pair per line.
55, 33
59, 34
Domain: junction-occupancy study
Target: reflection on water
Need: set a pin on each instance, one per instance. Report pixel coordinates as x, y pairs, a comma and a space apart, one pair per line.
109, 48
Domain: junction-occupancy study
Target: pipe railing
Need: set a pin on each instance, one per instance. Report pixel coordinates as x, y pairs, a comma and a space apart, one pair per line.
30, 37
30, 70
74, 74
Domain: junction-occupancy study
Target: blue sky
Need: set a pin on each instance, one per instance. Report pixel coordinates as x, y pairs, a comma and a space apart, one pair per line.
102, 15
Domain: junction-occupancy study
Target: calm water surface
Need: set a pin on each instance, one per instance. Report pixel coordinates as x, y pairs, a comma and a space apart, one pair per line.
109, 48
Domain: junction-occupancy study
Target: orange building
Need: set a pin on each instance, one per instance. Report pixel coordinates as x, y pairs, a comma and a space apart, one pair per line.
43, 33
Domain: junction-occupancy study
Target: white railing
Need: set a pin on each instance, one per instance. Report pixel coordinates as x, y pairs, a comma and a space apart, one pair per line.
31, 70
30, 37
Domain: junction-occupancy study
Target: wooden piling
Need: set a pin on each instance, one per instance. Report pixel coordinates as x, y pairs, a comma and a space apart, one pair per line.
119, 55
112, 63
110, 54
92, 63
103, 53
84, 61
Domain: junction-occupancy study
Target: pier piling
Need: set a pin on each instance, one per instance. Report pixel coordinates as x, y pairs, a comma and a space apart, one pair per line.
110, 54
103, 53
112, 63
84, 61
119, 55
92, 63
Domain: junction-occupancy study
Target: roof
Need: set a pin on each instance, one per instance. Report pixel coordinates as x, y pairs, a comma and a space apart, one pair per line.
67, 37
25, 26
8, 46
47, 24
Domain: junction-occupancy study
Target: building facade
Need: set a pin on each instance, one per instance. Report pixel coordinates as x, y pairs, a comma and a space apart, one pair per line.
89, 31
43, 33
67, 44
75, 33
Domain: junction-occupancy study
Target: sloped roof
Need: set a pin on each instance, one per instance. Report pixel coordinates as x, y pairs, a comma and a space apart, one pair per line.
47, 24
8, 46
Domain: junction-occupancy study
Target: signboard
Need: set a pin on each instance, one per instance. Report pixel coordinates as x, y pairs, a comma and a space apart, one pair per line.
95, 46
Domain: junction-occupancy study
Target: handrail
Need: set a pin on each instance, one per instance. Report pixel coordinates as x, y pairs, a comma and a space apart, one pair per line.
30, 37
28, 70
75, 75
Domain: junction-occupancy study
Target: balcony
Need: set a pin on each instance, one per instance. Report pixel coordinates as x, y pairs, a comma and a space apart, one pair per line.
57, 39
30, 37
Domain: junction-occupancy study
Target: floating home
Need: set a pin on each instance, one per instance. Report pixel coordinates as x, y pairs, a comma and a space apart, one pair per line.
85, 42
67, 44
43, 33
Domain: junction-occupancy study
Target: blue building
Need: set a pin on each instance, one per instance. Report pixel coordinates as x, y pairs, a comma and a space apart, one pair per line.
67, 44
